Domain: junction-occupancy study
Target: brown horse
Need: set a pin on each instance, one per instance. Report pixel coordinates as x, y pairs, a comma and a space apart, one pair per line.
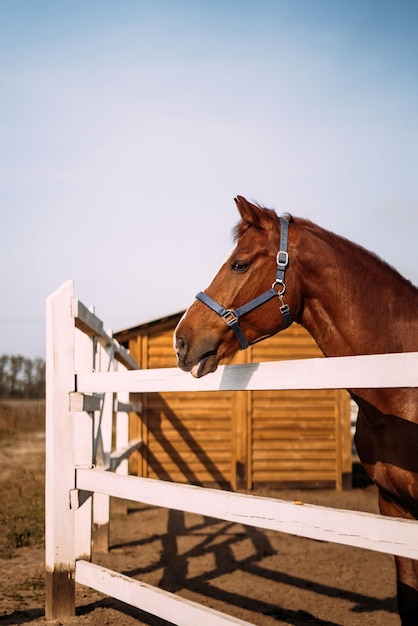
288, 269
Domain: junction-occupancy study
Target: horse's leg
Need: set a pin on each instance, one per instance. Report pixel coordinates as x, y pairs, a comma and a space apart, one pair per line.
407, 574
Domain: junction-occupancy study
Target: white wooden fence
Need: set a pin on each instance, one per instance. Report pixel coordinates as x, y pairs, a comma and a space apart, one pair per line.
89, 377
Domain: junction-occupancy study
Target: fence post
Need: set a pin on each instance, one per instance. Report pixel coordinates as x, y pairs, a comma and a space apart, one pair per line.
103, 449
122, 439
84, 358
60, 474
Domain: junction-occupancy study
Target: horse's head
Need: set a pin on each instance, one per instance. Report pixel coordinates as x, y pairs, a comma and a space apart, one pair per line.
246, 301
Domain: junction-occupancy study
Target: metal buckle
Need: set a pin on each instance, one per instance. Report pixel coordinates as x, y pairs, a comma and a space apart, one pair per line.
283, 287
229, 317
282, 259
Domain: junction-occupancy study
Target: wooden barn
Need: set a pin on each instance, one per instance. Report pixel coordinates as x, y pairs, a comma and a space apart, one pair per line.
243, 439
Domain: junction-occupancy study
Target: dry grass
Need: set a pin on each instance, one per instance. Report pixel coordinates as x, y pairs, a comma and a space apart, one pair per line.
22, 479
21, 416
23, 512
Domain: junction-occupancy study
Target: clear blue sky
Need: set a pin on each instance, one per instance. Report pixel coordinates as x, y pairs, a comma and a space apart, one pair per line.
127, 127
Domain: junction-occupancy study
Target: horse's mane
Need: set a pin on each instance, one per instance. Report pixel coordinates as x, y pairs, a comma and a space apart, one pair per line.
330, 238
351, 247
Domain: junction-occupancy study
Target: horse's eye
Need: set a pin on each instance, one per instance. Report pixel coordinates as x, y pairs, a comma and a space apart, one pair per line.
239, 266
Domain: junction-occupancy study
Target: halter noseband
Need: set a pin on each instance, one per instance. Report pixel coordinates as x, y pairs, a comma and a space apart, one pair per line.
278, 289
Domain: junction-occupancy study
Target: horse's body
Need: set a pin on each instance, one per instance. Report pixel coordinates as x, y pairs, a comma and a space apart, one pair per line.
352, 303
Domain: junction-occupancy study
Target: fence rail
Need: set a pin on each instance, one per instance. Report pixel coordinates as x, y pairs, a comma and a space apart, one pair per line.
89, 377
350, 372
357, 529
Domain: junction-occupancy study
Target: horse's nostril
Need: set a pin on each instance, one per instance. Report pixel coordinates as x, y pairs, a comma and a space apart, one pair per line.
181, 347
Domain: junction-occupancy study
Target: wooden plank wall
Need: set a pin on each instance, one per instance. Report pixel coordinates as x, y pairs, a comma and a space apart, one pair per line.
294, 436
297, 435
187, 436
242, 439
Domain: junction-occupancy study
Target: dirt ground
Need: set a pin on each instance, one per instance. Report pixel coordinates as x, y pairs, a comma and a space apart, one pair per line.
266, 578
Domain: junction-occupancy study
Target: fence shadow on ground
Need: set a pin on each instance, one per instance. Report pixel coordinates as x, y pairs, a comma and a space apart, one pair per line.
218, 544
220, 547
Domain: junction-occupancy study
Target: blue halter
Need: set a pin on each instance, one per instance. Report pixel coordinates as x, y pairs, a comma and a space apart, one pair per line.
278, 289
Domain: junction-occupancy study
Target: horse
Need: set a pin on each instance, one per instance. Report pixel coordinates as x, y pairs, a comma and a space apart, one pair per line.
287, 269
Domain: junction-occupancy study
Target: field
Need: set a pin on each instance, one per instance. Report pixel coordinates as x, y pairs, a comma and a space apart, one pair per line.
264, 577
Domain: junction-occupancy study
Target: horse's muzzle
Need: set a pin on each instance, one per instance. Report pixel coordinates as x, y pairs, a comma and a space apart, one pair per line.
200, 366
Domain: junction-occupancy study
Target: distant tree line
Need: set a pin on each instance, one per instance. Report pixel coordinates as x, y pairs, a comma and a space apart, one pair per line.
21, 377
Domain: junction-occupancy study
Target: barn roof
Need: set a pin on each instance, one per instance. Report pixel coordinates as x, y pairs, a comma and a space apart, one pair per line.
151, 327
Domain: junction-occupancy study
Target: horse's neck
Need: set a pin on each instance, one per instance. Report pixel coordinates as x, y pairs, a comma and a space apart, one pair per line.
354, 303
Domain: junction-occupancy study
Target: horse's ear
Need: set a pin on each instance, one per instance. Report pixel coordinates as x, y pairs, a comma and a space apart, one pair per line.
250, 213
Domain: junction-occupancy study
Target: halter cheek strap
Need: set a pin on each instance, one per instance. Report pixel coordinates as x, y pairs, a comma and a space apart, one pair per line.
278, 289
